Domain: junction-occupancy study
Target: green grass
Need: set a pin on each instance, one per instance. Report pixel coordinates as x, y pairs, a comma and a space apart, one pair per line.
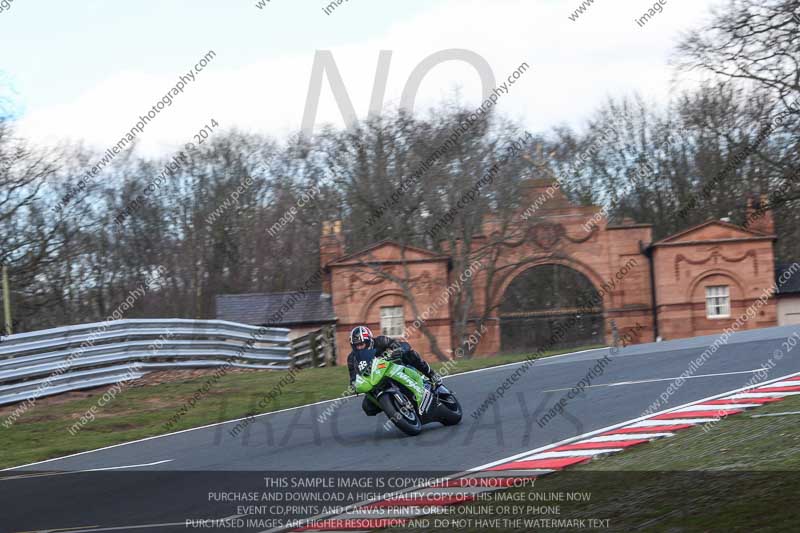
139, 412
742, 475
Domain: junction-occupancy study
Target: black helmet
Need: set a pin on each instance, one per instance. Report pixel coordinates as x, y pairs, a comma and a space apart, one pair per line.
361, 335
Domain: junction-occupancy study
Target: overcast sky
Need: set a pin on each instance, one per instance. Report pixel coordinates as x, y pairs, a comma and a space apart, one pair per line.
87, 69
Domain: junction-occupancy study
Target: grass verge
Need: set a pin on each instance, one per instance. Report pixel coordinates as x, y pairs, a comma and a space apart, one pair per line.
138, 412
742, 475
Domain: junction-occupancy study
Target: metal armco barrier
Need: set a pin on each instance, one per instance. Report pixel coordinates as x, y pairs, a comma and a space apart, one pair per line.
52, 361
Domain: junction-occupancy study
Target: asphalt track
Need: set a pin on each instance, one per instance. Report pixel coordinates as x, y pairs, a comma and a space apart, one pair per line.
180, 469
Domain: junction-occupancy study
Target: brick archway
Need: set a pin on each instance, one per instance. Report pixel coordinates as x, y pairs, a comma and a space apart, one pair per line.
569, 262
540, 301
370, 314
393, 296
695, 283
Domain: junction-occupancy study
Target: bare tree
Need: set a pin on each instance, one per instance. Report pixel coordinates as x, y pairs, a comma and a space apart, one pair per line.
28, 236
755, 45
749, 40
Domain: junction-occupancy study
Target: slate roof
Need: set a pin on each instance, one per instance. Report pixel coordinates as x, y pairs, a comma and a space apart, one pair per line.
791, 285
264, 309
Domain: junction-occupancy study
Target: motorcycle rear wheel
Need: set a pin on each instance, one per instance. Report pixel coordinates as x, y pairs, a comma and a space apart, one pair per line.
449, 410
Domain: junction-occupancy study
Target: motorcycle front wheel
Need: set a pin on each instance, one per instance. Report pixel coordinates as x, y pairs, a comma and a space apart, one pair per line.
402, 414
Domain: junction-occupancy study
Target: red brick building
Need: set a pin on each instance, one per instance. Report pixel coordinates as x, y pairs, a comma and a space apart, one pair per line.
693, 283
566, 275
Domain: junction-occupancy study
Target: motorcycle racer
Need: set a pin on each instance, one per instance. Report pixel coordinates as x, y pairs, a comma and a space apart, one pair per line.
361, 338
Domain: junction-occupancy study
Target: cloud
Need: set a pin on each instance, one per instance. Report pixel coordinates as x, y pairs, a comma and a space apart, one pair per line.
576, 65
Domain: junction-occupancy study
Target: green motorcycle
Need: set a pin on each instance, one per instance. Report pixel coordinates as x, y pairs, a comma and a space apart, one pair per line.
406, 396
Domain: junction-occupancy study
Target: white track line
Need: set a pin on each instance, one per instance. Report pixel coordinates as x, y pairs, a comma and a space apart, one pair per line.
629, 436
671, 422
547, 358
777, 414
104, 469
277, 412
127, 466
655, 380
570, 453
642, 422
510, 473
478, 470
720, 407
633, 422
786, 384
749, 395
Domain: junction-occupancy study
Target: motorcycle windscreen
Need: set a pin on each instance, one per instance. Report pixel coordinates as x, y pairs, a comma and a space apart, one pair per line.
363, 360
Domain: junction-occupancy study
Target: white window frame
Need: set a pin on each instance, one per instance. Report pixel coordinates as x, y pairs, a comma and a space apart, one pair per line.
718, 301
393, 323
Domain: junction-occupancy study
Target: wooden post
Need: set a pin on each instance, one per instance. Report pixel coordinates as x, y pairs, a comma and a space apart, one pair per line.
614, 334
330, 346
292, 354
312, 342
6, 301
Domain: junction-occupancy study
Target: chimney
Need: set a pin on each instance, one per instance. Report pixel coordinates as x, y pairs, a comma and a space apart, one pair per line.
331, 247
759, 215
